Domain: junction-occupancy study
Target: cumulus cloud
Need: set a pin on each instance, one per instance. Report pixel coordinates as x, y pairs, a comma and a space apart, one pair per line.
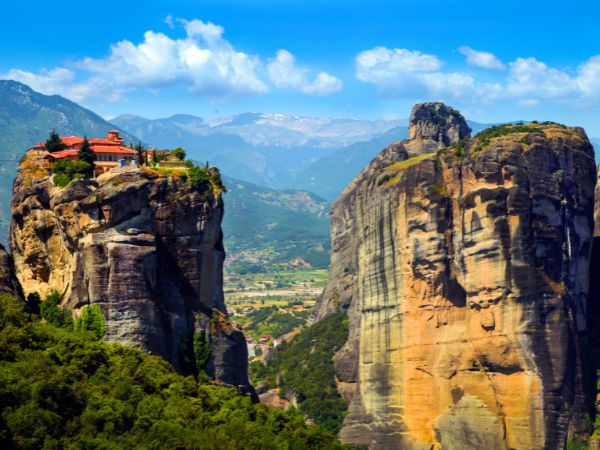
284, 73
483, 59
203, 61
412, 74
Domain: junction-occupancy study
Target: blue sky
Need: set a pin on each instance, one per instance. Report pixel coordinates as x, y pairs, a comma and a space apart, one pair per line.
495, 61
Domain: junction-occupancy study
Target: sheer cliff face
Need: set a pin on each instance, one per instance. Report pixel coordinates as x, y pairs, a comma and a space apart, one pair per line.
465, 275
147, 249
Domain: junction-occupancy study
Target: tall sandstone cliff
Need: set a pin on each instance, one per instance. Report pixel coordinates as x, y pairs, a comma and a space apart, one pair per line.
147, 249
463, 264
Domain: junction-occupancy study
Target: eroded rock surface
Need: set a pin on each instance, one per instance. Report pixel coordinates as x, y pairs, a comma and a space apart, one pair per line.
9, 284
465, 275
147, 249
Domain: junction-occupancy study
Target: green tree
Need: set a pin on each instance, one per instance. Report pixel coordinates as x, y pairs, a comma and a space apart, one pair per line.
201, 351
65, 171
199, 178
50, 309
139, 154
86, 154
178, 153
54, 143
60, 389
91, 320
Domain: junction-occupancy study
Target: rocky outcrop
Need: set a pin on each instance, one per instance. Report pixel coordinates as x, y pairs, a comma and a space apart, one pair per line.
463, 265
8, 280
146, 248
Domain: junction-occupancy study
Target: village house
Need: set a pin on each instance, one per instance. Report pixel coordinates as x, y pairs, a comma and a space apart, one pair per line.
110, 152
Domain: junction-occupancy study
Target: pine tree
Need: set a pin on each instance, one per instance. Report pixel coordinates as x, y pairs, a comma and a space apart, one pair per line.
54, 143
86, 154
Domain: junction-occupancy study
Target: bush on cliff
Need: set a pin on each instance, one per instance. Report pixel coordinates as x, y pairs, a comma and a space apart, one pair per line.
303, 368
91, 321
66, 171
60, 389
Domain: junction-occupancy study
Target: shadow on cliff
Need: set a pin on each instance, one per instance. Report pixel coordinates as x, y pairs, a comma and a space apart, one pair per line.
591, 341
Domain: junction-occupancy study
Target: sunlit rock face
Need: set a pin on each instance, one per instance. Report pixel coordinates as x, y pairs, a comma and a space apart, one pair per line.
148, 249
463, 264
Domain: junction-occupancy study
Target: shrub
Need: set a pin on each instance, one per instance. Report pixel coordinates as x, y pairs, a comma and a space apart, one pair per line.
50, 309
66, 171
91, 320
198, 177
62, 180
178, 153
201, 351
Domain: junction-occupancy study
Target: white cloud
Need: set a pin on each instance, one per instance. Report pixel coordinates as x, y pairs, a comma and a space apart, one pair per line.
531, 78
380, 63
63, 82
412, 74
284, 73
478, 58
204, 61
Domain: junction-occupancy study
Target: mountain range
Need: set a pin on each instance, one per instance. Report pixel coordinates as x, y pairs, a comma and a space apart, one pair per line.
272, 150
320, 155
277, 225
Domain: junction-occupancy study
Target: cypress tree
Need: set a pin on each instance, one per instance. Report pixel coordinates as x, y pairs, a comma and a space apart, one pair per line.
139, 154
86, 154
54, 143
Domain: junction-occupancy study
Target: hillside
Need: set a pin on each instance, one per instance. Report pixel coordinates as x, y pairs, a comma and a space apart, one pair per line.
61, 388
26, 117
266, 228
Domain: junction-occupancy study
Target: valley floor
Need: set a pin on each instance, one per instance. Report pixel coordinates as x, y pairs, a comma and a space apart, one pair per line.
274, 306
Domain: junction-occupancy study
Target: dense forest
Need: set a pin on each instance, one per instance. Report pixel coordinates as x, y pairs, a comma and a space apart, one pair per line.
61, 387
303, 369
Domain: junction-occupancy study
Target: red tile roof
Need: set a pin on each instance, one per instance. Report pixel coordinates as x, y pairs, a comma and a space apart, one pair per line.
63, 153
112, 149
71, 140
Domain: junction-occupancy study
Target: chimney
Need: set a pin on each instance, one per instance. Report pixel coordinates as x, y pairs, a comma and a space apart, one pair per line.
113, 135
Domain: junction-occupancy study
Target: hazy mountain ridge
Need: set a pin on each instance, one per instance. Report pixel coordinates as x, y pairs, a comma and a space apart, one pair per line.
274, 227
267, 149
276, 130
330, 174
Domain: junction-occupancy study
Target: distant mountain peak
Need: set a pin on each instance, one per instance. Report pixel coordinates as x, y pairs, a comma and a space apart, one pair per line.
185, 117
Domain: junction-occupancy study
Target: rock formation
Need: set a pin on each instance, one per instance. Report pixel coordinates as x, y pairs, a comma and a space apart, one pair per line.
146, 248
463, 264
8, 280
